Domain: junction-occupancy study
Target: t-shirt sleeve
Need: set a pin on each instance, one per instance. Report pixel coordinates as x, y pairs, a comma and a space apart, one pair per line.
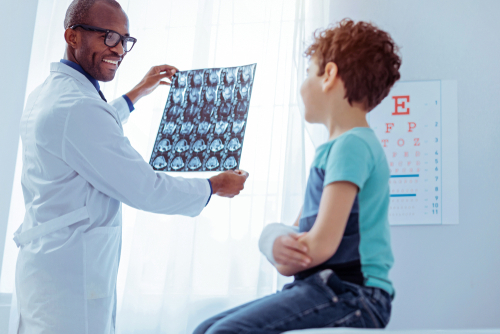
350, 159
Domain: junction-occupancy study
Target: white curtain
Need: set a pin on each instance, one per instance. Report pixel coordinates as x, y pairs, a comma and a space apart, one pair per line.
176, 271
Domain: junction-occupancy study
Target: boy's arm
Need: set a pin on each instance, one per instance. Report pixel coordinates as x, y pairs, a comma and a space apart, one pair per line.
324, 237
279, 244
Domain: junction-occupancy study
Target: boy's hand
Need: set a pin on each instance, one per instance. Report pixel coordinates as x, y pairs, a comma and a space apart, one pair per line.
288, 251
228, 184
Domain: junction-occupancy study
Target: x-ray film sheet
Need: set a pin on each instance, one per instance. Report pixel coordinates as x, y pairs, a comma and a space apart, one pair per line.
204, 122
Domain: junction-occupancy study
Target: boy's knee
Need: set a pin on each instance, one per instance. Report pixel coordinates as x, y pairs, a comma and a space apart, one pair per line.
204, 326
224, 327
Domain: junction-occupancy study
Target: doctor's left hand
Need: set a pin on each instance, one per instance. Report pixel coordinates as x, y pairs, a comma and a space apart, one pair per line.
154, 78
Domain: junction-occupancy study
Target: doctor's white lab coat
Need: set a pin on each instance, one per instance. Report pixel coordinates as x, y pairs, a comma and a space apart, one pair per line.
78, 167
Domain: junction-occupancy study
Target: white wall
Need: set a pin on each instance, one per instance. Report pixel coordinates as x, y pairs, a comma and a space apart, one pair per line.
447, 276
17, 21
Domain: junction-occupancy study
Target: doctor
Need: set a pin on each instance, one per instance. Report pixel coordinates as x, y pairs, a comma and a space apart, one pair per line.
78, 167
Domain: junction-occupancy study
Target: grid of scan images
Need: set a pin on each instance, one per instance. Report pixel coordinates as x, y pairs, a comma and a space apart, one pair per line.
204, 121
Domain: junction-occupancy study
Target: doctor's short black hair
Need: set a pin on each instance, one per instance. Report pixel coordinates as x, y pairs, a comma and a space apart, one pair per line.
79, 9
367, 59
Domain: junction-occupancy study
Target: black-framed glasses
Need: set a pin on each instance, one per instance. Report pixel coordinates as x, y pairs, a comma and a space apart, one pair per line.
112, 38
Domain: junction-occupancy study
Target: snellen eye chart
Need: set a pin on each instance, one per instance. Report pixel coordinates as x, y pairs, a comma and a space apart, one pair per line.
418, 129
204, 122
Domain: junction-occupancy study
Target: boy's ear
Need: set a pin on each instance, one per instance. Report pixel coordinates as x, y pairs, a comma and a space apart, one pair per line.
331, 71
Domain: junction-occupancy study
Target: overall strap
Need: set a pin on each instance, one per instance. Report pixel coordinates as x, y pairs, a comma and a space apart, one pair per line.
53, 225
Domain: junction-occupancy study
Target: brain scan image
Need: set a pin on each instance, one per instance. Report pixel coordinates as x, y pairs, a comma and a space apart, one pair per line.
174, 111
164, 145
177, 96
194, 163
203, 123
178, 163
193, 110
199, 146
186, 128
194, 95
197, 79
169, 128
234, 144
220, 127
241, 107
227, 93
159, 162
237, 126
243, 92
181, 79
213, 78
207, 110
212, 163
225, 109
246, 73
210, 94
182, 146
203, 128
230, 163
216, 145
230, 77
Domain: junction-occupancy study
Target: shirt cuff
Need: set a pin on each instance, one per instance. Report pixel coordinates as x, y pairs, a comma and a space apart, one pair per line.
211, 192
129, 102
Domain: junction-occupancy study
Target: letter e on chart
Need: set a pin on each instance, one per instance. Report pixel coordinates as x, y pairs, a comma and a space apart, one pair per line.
400, 105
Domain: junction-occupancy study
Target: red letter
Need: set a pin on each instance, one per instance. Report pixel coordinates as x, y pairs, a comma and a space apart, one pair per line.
388, 127
406, 154
417, 154
417, 143
402, 105
411, 126
394, 154
401, 142
385, 141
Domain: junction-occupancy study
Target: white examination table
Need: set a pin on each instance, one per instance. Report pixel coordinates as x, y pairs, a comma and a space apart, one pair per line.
387, 331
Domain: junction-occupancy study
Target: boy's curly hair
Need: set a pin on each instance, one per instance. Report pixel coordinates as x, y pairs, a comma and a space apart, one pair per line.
367, 59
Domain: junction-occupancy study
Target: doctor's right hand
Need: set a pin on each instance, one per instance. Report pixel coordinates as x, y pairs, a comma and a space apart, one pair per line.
288, 251
228, 184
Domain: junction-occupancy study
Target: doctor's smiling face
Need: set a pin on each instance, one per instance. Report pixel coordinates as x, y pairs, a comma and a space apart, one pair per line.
87, 47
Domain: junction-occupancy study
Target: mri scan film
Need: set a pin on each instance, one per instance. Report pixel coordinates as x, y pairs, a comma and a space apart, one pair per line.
204, 120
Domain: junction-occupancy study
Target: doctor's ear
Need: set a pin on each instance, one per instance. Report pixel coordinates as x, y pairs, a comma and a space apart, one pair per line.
71, 37
331, 72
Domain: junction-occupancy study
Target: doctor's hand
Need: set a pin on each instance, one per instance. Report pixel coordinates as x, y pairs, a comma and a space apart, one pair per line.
287, 250
228, 184
154, 78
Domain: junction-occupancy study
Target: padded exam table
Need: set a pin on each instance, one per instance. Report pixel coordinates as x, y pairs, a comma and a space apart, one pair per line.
388, 331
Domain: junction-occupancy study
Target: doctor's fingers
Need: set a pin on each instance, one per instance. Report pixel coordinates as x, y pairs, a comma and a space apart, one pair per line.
242, 173
168, 69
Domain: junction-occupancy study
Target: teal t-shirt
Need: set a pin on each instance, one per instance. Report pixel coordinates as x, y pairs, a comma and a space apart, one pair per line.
356, 156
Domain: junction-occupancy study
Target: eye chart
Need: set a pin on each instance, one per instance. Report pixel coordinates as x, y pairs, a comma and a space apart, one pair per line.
417, 127
204, 121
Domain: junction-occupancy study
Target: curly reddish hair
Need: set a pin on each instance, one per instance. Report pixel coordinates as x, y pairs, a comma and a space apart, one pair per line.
367, 59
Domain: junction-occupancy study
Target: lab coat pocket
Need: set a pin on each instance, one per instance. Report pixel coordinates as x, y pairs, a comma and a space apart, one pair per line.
102, 246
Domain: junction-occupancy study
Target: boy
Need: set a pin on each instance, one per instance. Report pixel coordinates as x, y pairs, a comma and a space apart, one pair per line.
342, 258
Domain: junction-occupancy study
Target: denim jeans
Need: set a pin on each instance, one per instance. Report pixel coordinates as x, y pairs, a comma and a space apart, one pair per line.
307, 303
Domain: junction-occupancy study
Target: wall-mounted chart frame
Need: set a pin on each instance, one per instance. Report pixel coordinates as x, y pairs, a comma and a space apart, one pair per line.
417, 125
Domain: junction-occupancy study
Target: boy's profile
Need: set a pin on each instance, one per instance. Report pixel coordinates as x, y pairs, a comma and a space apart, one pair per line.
342, 256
